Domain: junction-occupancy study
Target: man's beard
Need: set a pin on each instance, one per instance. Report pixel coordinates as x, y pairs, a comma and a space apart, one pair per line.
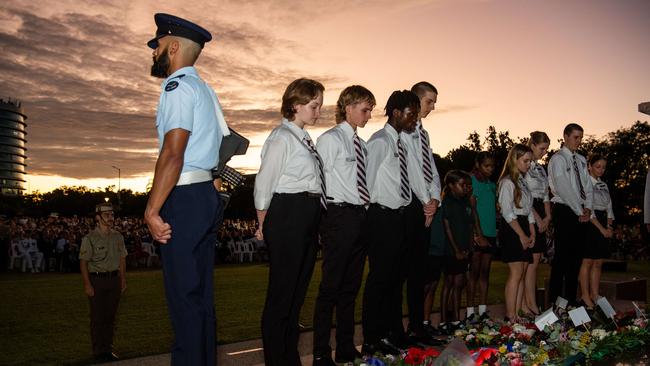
160, 66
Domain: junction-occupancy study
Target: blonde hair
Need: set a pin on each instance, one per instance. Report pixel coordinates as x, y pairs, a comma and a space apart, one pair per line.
510, 169
352, 95
300, 91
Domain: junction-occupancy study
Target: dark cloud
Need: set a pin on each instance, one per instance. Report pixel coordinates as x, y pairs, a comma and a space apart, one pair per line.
89, 99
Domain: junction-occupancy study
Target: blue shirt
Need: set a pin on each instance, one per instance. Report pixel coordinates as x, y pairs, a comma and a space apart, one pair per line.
187, 102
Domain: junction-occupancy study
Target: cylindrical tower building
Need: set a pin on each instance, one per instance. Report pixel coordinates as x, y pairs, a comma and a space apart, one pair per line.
12, 147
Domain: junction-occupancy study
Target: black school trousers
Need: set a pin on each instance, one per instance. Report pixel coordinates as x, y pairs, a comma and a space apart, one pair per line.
291, 234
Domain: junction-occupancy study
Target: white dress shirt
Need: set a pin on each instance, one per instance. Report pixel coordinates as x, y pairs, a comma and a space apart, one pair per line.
336, 147
287, 165
602, 199
563, 181
383, 170
413, 144
537, 181
509, 209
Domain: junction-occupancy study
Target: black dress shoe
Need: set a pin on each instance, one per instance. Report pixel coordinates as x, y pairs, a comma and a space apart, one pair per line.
387, 347
369, 349
583, 303
106, 357
347, 355
323, 361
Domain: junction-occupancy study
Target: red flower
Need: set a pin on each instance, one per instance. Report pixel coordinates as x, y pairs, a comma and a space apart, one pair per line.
505, 330
416, 356
484, 355
431, 352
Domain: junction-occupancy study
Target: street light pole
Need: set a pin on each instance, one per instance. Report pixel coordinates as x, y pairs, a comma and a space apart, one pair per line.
119, 183
119, 178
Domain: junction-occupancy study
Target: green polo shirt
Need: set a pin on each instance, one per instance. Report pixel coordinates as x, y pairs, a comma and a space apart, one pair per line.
102, 251
486, 205
458, 212
438, 240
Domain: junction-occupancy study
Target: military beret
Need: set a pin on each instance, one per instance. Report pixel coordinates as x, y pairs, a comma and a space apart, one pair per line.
169, 25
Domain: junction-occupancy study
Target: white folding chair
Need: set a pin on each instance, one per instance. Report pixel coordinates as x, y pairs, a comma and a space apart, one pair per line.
14, 255
150, 250
249, 250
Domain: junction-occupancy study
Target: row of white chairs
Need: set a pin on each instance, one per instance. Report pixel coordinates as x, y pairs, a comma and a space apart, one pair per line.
244, 250
16, 257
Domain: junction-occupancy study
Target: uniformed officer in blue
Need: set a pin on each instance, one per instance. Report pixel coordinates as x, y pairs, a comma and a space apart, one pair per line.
183, 203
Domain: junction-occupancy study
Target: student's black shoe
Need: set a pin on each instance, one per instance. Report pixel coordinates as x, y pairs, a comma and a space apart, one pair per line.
445, 329
323, 361
368, 349
387, 347
106, 357
431, 330
347, 355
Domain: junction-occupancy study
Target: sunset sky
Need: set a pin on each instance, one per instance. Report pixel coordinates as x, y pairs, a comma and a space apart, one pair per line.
81, 69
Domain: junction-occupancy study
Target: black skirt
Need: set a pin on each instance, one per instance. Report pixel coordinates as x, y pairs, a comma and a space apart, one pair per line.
540, 238
511, 249
596, 245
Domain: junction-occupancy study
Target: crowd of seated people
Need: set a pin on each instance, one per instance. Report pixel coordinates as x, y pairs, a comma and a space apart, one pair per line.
51, 244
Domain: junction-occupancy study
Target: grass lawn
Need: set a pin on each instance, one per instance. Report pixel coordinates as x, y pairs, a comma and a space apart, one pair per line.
44, 317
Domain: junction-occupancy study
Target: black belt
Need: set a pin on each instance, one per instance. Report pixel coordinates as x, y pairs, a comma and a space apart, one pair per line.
382, 207
301, 194
105, 274
344, 205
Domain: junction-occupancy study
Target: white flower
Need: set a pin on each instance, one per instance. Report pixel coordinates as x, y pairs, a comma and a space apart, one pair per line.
516, 346
599, 334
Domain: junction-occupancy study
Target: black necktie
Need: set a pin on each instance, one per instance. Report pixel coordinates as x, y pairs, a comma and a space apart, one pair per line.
404, 186
575, 168
362, 186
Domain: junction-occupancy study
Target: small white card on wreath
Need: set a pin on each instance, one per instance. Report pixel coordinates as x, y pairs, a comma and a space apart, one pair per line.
579, 316
639, 313
482, 309
470, 311
546, 318
606, 307
561, 302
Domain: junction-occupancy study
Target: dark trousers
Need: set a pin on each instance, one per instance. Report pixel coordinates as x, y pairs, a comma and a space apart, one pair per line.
291, 235
569, 236
103, 308
414, 262
382, 296
188, 262
343, 261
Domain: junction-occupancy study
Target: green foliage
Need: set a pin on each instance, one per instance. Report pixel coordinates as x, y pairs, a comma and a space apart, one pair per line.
69, 201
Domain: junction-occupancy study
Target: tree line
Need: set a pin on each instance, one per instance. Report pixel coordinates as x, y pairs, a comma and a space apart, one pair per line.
627, 151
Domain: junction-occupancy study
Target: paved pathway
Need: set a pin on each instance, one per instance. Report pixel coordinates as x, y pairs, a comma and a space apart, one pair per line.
250, 352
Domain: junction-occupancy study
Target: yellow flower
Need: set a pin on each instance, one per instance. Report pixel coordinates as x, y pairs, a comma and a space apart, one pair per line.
502, 349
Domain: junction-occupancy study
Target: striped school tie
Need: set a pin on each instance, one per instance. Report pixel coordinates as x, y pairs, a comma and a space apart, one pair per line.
404, 186
427, 167
362, 186
321, 172
575, 169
